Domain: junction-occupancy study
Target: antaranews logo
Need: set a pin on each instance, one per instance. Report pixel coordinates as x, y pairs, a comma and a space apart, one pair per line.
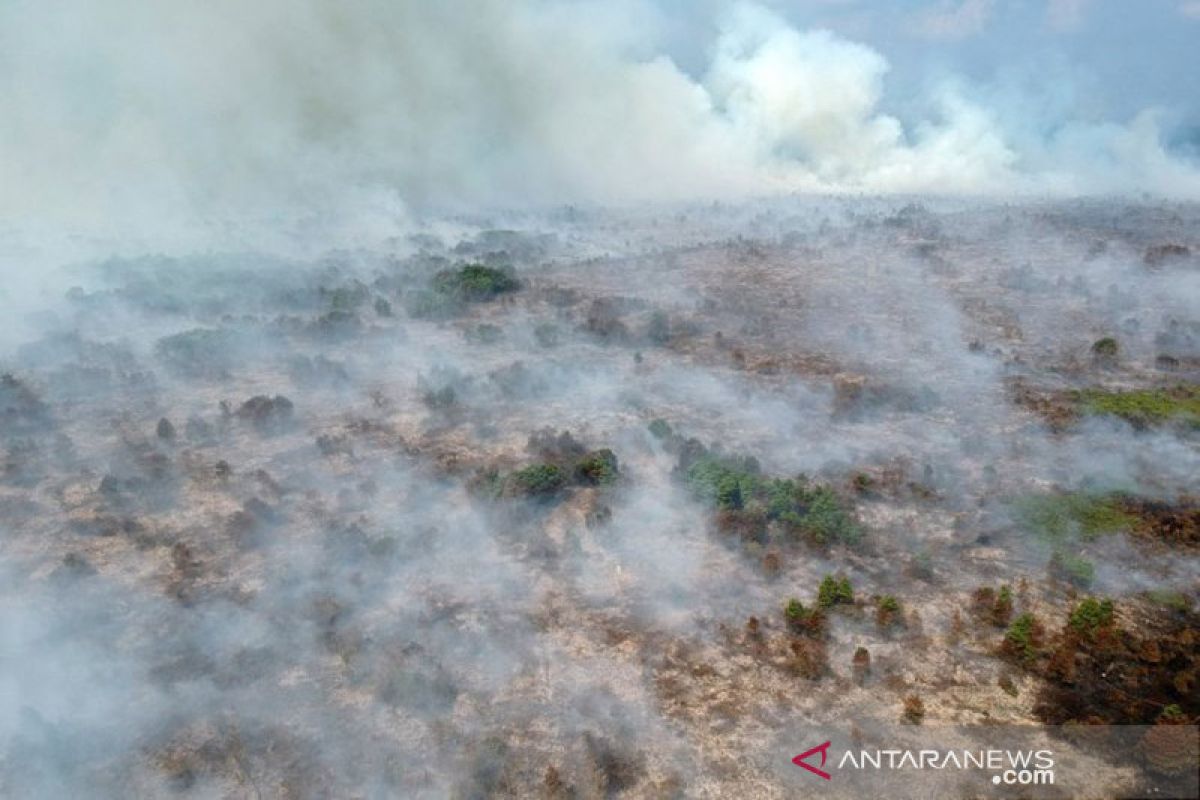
1022, 767
823, 749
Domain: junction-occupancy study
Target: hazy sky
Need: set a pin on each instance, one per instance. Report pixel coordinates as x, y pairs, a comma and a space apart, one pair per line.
125, 114
1108, 58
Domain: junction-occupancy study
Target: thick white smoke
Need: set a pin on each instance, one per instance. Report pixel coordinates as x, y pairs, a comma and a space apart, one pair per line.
124, 115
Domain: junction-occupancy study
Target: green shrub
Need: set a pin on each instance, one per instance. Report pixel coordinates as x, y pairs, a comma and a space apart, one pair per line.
1091, 615
733, 483
1002, 607
1173, 715
660, 429
1073, 569
834, 591
488, 483
887, 611
452, 289
474, 283
1144, 407
597, 468
1062, 516
804, 620
1169, 598
736, 484
722, 482
1106, 348
729, 493
539, 480
794, 609
826, 520
1023, 637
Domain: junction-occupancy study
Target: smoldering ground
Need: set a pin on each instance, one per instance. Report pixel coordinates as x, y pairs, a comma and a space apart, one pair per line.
323, 574
382, 418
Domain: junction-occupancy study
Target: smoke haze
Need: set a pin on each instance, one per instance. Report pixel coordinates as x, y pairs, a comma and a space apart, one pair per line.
133, 119
458, 398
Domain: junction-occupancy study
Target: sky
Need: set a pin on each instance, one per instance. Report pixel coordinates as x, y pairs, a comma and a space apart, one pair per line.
1110, 58
128, 119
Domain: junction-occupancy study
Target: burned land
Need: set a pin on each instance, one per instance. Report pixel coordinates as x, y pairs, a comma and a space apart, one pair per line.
602, 503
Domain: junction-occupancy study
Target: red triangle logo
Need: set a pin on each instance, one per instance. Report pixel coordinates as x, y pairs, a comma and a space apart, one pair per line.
823, 750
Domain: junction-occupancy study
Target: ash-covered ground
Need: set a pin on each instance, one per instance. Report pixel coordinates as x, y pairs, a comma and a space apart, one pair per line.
602, 503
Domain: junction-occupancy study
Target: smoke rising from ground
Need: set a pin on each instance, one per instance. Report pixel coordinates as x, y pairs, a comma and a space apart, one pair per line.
261, 528
332, 594
125, 118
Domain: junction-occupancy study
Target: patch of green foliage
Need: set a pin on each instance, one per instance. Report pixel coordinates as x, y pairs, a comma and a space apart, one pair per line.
597, 468
1066, 518
540, 480
863, 483
1002, 607
1061, 516
1021, 634
452, 289
660, 429
824, 518
1106, 347
1173, 715
802, 619
488, 483
888, 612
1091, 615
570, 465
723, 482
1144, 407
474, 283
1169, 598
794, 610
1074, 569
835, 591
736, 484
